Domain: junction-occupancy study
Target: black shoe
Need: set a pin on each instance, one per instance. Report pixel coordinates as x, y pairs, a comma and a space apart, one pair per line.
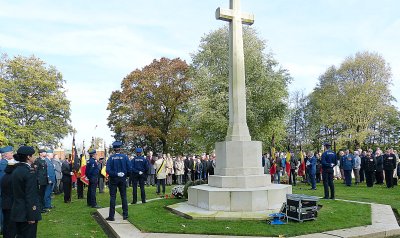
110, 219
97, 206
133, 202
144, 202
125, 218
325, 198
333, 198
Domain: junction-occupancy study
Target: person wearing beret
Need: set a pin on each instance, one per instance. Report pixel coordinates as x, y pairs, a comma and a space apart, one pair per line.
9, 227
40, 166
118, 168
6, 155
140, 166
328, 161
25, 210
92, 173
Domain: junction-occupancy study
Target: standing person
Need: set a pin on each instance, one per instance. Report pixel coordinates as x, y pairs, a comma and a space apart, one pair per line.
362, 169
199, 168
118, 167
179, 170
389, 164
204, 163
319, 169
140, 167
294, 163
101, 176
313, 170
6, 155
151, 172
26, 207
7, 198
57, 167
66, 170
341, 155
369, 165
41, 174
51, 177
92, 173
328, 161
161, 172
379, 167
170, 168
278, 163
357, 166
188, 169
348, 165
79, 183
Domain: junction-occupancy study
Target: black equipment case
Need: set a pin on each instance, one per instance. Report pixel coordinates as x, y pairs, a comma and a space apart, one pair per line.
301, 207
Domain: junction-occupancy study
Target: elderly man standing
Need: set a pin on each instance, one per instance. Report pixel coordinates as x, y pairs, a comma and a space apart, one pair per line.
6, 155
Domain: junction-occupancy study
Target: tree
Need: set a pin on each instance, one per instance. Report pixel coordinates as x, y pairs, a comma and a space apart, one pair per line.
266, 90
35, 102
147, 110
350, 100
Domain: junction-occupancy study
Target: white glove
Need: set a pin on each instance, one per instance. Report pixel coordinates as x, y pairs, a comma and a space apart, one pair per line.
72, 173
121, 174
140, 172
332, 164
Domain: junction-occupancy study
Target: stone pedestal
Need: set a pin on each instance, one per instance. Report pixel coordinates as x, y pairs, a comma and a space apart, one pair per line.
239, 184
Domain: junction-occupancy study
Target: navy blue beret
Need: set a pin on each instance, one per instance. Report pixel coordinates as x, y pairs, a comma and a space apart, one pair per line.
25, 150
6, 149
117, 144
139, 150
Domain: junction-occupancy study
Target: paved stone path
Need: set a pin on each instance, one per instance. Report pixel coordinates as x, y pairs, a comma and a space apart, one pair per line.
384, 224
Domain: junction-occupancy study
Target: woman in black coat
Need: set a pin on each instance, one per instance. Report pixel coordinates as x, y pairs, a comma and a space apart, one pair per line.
7, 198
25, 210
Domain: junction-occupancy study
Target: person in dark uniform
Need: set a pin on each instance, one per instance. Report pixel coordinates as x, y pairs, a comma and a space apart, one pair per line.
389, 164
66, 170
92, 173
118, 167
328, 161
25, 210
40, 166
101, 176
6, 155
369, 165
9, 227
379, 167
140, 167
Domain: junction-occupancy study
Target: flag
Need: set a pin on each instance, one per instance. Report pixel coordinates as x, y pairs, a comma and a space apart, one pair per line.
82, 170
74, 156
103, 169
302, 168
273, 147
287, 167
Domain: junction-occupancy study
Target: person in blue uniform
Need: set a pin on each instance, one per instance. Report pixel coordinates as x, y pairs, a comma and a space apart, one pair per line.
25, 211
313, 171
51, 177
140, 166
118, 168
328, 161
92, 173
6, 155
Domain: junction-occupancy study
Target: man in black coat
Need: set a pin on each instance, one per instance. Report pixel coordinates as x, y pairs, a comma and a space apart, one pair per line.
7, 198
389, 164
66, 170
40, 166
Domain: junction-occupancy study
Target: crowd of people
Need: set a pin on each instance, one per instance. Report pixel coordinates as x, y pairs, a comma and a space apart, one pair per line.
353, 167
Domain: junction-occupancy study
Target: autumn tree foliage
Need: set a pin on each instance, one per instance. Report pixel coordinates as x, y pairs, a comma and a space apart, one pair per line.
148, 109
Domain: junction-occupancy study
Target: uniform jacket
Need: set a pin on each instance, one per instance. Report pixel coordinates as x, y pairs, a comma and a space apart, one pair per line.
7, 196
117, 163
139, 163
348, 162
369, 164
389, 162
26, 197
41, 171
327, 159
92, 169
66, 169
3, 165
379, 163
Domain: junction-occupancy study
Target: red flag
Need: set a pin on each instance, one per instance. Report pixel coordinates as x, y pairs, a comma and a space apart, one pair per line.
82, 170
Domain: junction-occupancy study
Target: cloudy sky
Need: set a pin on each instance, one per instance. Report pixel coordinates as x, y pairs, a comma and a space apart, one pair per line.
95, 44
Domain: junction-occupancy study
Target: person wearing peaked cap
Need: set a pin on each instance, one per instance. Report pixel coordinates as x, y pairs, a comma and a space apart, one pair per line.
328, 161
140, 166
25, 210
40, 166
92, 173
118, 168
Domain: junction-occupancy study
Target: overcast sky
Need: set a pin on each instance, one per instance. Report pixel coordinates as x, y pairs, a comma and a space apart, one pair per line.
95, 44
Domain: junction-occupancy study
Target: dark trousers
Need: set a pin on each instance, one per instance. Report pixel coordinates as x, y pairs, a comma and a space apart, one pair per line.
347, 177
25, 230
113, 184
327, 177
79, 188
67, 186
362, 175
389, 178
9, 227
91, 193
312, 181
369, 178
162, 182
292, 179
101, 184
139, 179
42, 192
318, 177
379, 177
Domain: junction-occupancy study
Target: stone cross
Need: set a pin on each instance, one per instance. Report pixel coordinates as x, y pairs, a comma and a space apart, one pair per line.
238, 129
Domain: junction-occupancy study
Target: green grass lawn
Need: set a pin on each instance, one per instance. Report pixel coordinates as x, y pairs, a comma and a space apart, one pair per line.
76, 219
